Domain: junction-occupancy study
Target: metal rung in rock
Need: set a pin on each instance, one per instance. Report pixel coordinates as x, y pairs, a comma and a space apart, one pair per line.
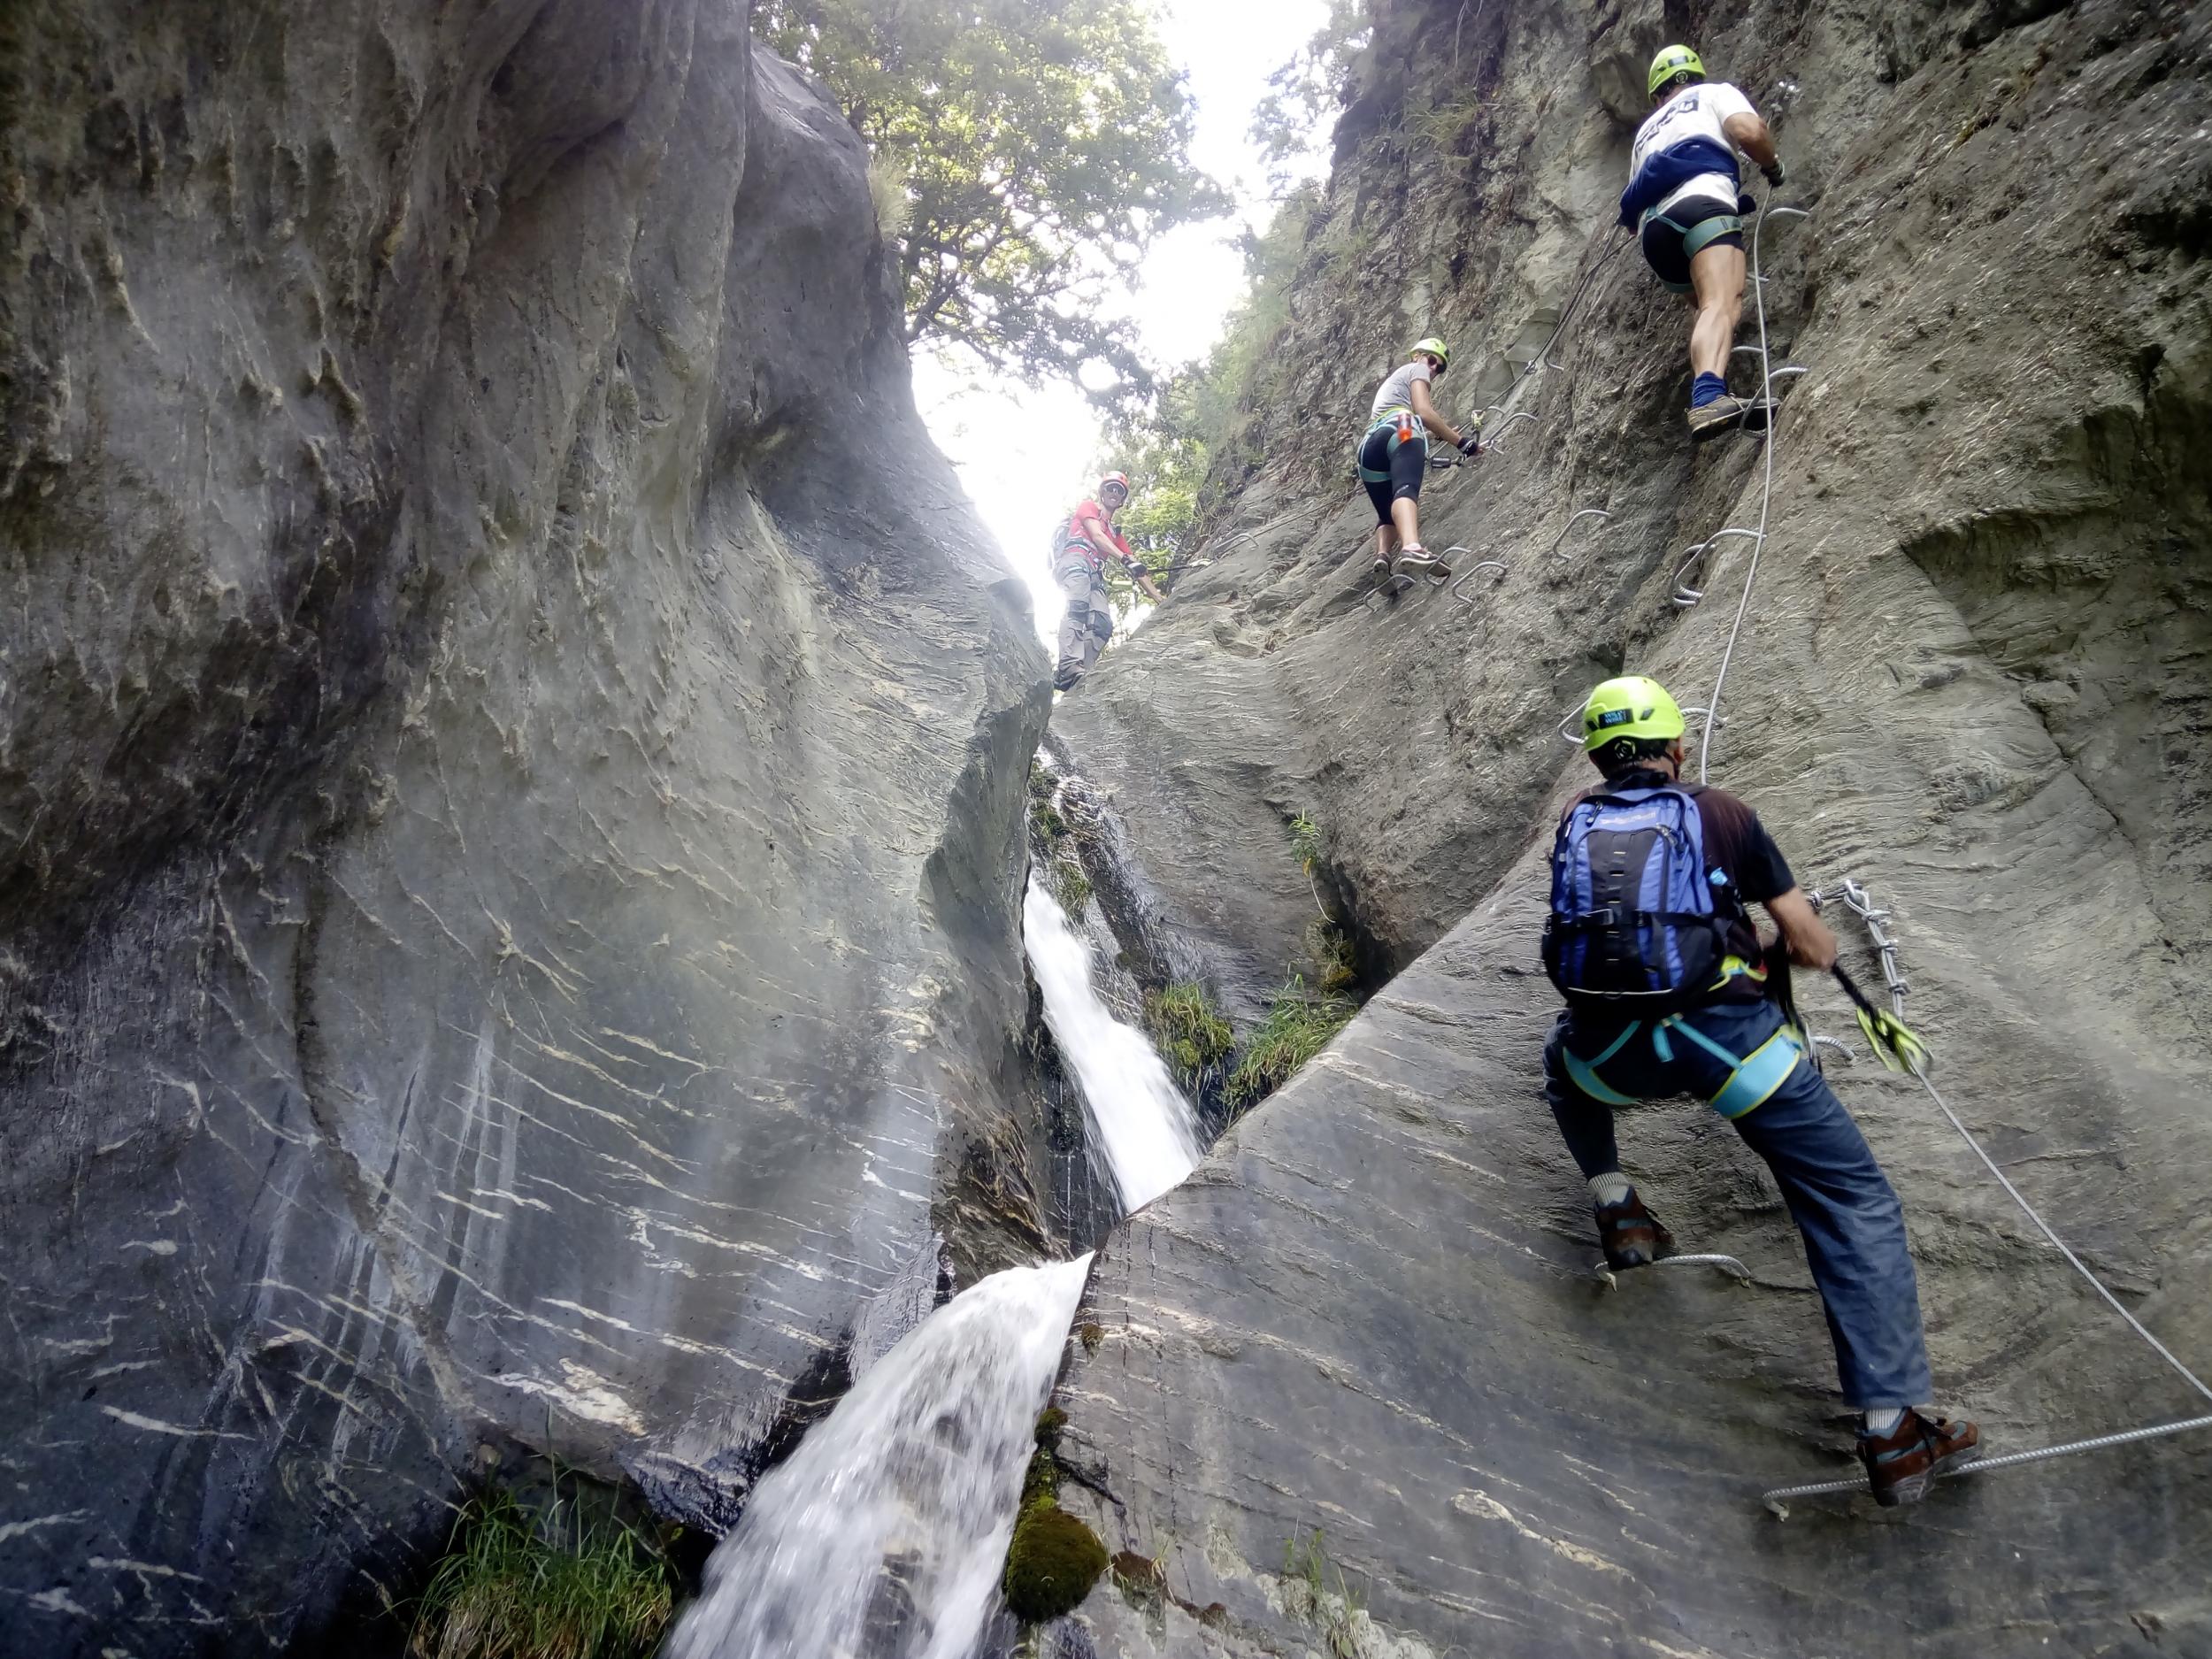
1727, 1265
1686, 596
1567, 529
1469, 574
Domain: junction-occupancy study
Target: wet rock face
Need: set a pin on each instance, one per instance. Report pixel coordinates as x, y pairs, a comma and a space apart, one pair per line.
1971, 675
511, 773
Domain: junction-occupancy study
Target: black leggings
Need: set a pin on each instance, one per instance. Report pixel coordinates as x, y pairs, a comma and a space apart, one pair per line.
1406, 465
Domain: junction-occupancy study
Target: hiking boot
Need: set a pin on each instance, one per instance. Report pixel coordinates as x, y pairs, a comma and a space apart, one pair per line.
1632, 1235
1901, 1465
1727, 413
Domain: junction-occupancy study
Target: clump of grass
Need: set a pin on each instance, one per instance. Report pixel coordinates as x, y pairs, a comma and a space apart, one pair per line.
1189, 1029
554, 1586
1297, 1027
1070, 886
1335, 954
1440, 126
1305, 847
1336, 1613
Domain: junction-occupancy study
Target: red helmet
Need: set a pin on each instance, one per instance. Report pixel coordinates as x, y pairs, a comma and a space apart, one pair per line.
1119, 479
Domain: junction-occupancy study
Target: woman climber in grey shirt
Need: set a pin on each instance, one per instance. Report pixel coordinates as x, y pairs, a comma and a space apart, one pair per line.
1394, 455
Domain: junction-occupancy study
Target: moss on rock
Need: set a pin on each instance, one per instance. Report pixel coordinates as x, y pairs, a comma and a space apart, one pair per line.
1052, 1563
1054, 1559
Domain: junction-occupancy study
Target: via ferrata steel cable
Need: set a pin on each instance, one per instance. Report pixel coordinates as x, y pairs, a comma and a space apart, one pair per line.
1766, 488
1777, 1499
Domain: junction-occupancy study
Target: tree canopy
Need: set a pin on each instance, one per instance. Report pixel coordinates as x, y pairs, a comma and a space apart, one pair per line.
1305, 93
1025, 153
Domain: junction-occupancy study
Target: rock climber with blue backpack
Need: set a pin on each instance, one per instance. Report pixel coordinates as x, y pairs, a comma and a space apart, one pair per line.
1393, 456
1668, 992
1684, 203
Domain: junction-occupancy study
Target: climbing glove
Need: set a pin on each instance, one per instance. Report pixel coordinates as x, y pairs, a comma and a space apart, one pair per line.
1895, 1044
1472, 444
1774, 173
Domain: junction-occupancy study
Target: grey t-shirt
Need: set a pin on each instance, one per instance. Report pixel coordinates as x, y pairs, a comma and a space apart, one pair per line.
1397, 391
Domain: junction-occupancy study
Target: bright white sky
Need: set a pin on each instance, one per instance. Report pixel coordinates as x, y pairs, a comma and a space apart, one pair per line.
1023, 451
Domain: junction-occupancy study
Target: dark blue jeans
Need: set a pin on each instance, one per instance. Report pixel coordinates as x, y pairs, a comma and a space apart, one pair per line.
1852, 1228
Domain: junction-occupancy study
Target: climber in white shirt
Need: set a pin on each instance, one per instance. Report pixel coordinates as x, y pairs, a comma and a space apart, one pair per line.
1683, 201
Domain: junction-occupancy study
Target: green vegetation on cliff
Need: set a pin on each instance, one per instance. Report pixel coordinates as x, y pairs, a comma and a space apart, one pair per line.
1297, 1027
1188, 1028
555, 1586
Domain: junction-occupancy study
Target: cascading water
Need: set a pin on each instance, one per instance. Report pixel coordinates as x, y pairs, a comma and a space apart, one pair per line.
884, 1533
1138, 1118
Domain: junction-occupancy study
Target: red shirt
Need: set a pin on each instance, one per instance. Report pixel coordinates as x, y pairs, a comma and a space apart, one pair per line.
1089, 509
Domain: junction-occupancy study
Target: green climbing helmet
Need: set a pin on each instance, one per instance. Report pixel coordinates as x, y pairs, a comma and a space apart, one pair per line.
1631, 706
1435, 347
1672, 61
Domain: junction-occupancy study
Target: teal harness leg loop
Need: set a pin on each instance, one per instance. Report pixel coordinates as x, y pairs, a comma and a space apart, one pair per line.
1751, 1081
1583, 1072
1762, 1070
1695, 237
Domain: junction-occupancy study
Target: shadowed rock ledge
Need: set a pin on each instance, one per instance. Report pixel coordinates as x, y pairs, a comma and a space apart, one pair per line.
510, 771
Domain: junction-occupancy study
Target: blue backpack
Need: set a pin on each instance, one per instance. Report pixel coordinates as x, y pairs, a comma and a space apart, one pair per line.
1639, 917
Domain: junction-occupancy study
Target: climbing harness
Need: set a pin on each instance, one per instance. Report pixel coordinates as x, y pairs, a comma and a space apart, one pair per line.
1696, 238
1856, 899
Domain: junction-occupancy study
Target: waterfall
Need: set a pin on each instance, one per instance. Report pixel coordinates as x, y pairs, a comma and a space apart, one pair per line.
1139, 1120
885, 1531
883, 1535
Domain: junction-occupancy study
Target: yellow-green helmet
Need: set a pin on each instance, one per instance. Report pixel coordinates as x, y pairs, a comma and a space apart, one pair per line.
1435, 347
1672, 61
1631, 706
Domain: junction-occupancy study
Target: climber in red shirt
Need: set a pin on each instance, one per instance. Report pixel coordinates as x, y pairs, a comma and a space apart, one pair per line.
1081, 548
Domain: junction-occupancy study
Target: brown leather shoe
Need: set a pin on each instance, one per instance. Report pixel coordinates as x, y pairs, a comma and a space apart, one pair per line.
1903, 1464
1632, 1235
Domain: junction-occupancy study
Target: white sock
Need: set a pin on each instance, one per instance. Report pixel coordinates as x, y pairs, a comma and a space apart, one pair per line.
1884, 1420
1611, 1187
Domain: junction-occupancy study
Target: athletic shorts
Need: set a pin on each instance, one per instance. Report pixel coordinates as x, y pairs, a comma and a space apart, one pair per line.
1664, 238
1406, 463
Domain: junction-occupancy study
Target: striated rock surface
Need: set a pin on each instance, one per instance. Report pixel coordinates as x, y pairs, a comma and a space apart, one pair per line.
511, 769
1972, 674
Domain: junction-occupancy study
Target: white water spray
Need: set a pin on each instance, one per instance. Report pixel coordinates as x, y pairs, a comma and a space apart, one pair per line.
1136, 1114
884, 1533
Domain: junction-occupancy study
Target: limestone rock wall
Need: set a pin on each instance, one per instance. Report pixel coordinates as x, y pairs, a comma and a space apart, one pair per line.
511, 760
1972, 674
